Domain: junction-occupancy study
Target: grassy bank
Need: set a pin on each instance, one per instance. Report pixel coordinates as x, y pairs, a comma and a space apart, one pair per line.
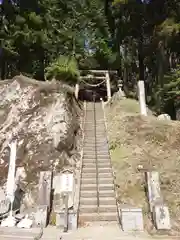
151, 143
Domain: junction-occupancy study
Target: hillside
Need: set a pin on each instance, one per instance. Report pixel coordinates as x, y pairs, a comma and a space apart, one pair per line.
146, 141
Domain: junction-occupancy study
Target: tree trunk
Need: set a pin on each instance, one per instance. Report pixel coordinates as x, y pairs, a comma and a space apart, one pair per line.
141, 58
3, 67
161, 64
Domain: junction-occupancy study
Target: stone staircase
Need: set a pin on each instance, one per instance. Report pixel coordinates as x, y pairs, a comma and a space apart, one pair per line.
97, 196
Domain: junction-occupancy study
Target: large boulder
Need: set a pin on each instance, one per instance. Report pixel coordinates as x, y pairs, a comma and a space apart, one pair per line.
43, 116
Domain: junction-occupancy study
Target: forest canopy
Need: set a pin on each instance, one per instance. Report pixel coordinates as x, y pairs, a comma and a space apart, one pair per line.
138, 38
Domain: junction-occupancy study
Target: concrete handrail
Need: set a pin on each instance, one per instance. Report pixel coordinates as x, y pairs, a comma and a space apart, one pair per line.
76, 207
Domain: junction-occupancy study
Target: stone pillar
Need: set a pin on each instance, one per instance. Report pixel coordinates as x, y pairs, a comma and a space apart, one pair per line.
121, 92
142, 98
44, 199
10, 185
76, 90
108, 85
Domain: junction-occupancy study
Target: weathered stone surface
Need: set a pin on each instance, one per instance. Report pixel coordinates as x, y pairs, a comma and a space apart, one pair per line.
4, 207
161, 217
132, 219
20, 174
164, 117
44, 118
2, 194
154, 192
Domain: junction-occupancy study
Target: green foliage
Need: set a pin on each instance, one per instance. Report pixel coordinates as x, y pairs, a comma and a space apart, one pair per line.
144, 38
171, 89
34, 33
168, 28
64, 68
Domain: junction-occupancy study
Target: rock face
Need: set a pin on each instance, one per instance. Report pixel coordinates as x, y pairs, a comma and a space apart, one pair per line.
43, 116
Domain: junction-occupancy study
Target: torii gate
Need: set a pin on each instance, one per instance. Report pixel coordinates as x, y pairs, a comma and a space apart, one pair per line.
103, 78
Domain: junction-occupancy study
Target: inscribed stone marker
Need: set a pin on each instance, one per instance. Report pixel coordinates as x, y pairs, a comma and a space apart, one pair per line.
63, 182
67, 182
45, 184
161, 217
154, 192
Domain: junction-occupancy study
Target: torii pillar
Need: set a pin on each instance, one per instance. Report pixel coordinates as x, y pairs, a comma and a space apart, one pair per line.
76, 92
108, 86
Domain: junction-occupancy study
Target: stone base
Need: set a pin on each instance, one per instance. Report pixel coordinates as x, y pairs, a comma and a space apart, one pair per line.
131, 219
72, 220
161, 217
10, 221
41, 216
25, 223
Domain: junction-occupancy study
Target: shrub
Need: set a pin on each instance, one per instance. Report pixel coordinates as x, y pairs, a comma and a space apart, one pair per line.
64, 68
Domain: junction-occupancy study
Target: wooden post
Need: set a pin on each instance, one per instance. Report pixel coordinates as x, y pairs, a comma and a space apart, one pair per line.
108, 85
76, 90
142, 100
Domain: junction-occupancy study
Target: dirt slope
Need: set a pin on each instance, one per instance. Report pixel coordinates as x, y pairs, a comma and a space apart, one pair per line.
149, 142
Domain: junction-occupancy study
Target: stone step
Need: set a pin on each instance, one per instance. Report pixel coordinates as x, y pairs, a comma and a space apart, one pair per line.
93, 169
98, 143
93, 187
100, 175
100, 165
98, 136
93, 161
100, 180
17, 234
103, 157
102, 201
99, 151
93, 157
99, 157
92, 138
92, 131
105, 193
98, 148
93, 217
100, 209
91, 146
